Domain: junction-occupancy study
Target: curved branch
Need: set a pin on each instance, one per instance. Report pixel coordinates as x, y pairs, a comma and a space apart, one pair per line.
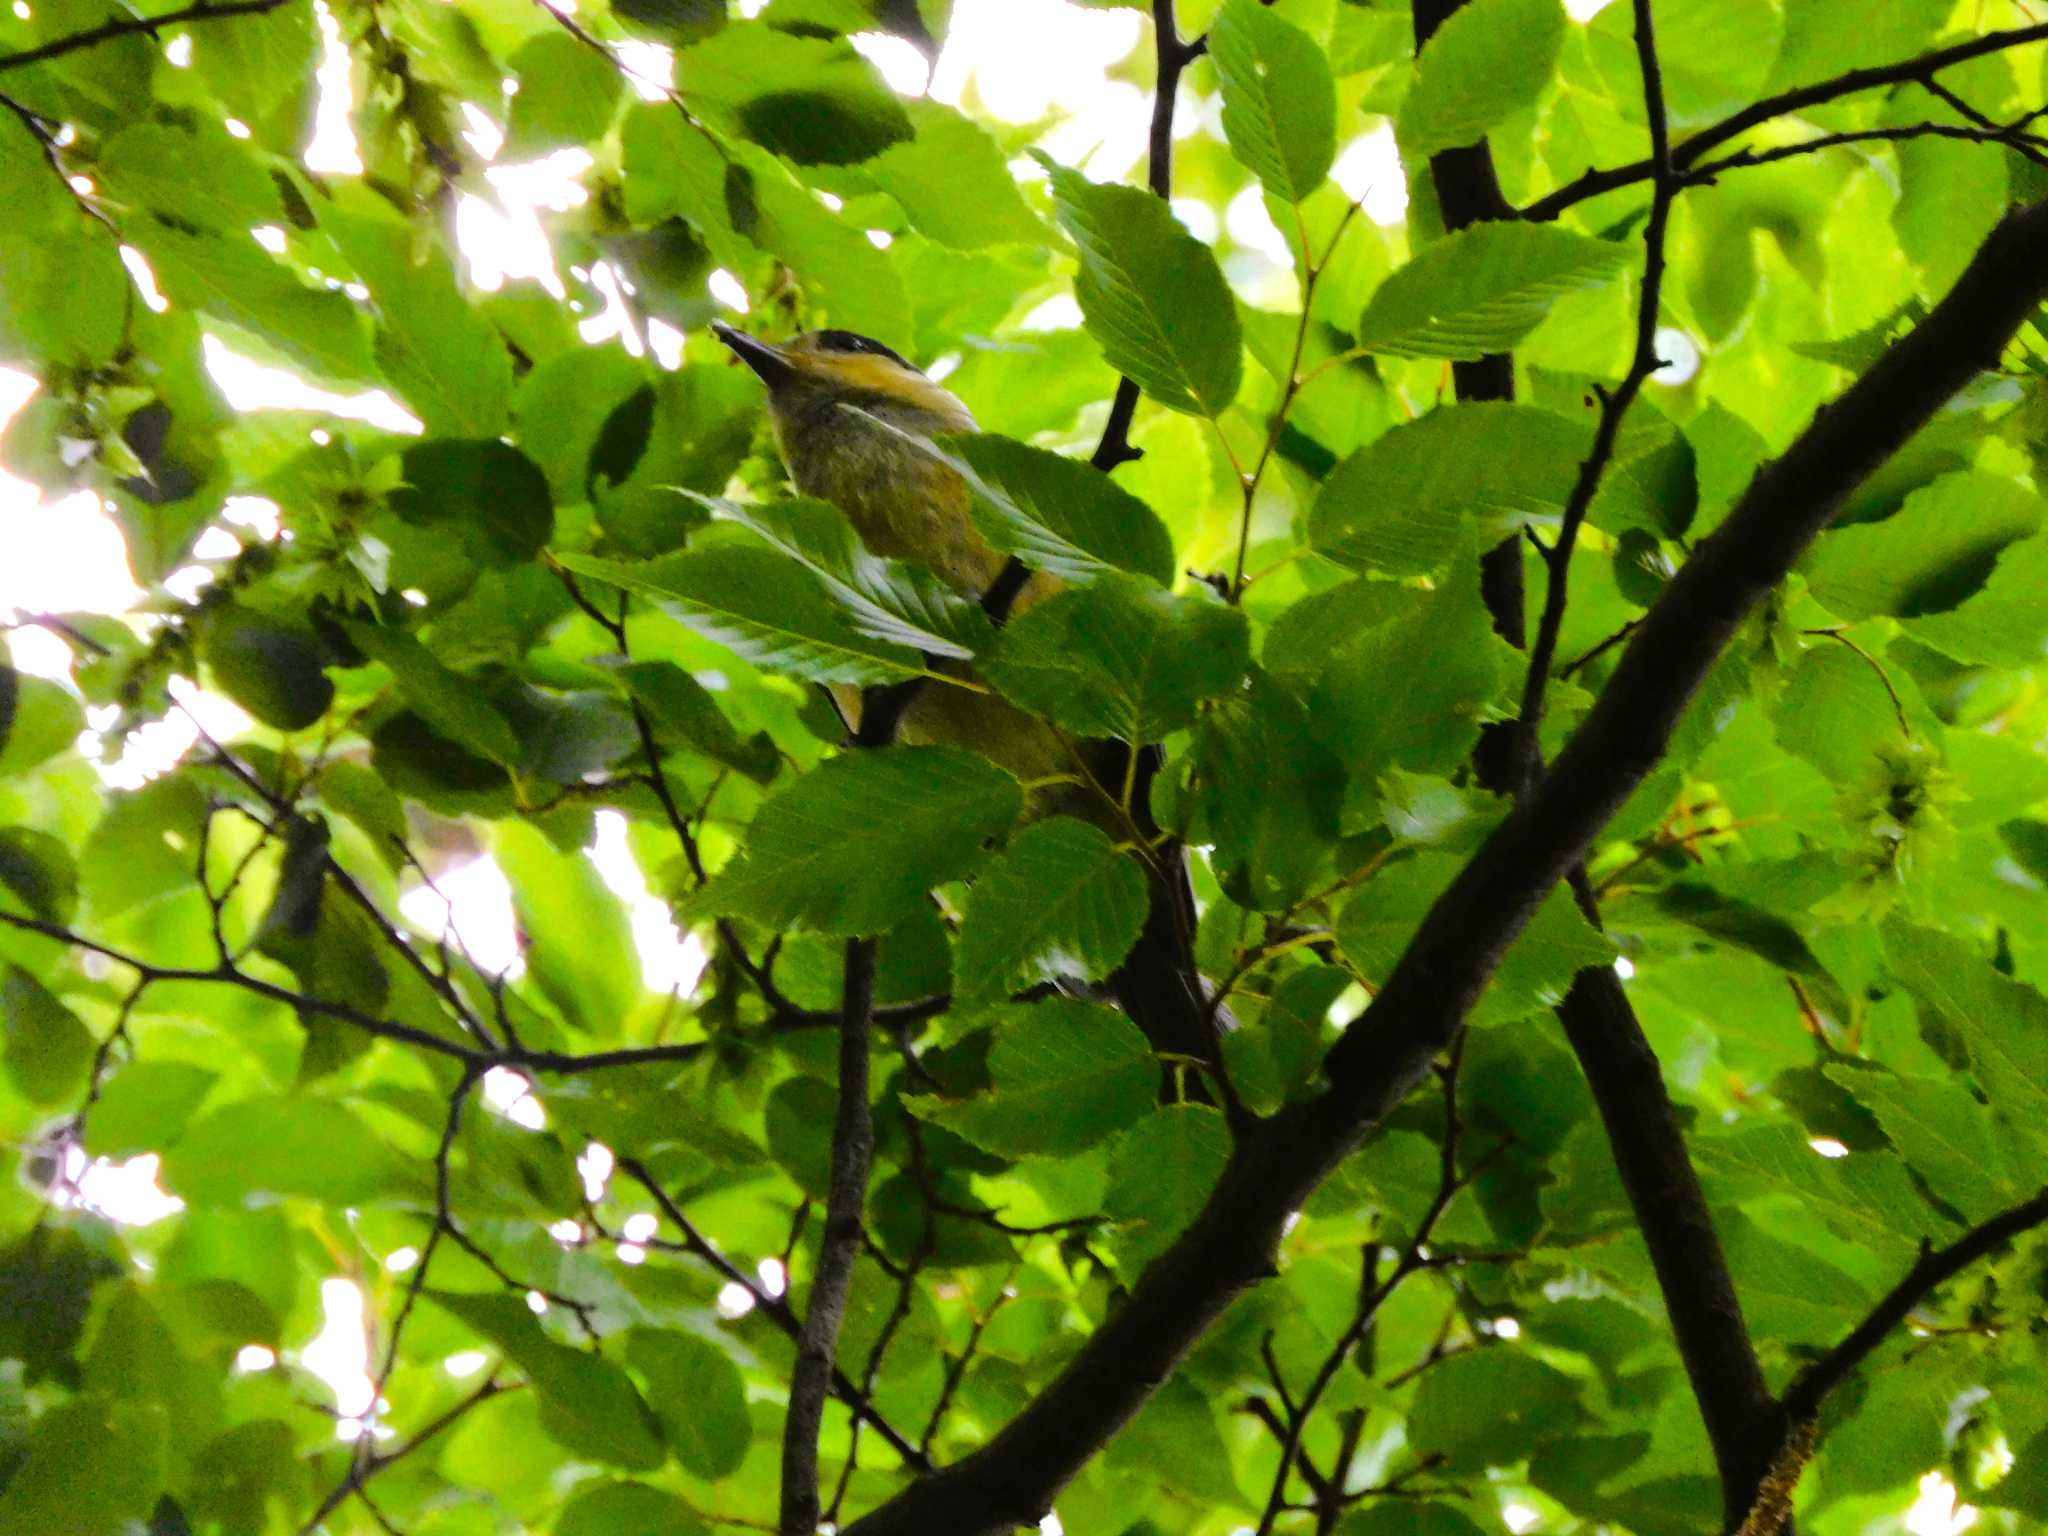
1386, 1052
129, 26
1934, 1267
1922, 68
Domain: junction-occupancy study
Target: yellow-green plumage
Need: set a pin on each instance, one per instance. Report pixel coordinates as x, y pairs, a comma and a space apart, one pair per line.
904, 503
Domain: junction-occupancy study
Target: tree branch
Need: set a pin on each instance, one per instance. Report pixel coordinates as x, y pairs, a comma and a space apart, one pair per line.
129, 26
1382, 1055
853, 1147
1921, 68
1934, 1267
1173, 57
1613, 405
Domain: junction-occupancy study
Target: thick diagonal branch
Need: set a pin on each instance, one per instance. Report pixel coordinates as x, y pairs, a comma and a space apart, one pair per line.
1388, 1050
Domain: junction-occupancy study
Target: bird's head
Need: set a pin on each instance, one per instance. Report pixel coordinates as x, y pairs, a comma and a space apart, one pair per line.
817, 371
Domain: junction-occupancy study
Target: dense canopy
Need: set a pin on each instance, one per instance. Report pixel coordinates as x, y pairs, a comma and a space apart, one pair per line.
1583, 625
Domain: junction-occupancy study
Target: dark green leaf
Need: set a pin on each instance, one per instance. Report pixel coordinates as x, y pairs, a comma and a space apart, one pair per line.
1061, 900
493, 496
698, 1397
1066, 1075
1121, 658
47, 1048
94, 1465
36, 873
626, 1509
683, 713
38, 719
447, 700
955, 185
586, 1403
853, 846
1160, 1173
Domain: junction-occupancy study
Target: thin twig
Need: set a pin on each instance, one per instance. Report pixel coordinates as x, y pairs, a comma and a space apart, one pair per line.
130, 26
1920, 68
1615, 405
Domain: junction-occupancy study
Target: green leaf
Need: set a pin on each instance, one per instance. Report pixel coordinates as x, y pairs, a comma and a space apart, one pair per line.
1160, 1173
683, 714
277, 1145
1410, 693
1489, 60
265, 57
1121, 658
207, 180
38, 719
1272, 794
441, 355
897, 602
813, 100
1279, 101
1930, 556
271, 667
68, 301
37, 874
587, 1404
144, 1107
853, 846
563, 407
845, 278
672, 170
1061, 900
1942, 1131
1152, 294
1482, 289
766, 607
1489, 1405
445, 699
698, 1397
236, 281
491, 495
626, 1509
797, 1121
1066, 1075
2002, 1023
2004, 624
579, 941
567, 92
48, 1049
1403, 503
955, 185
1058, 514
94, 1465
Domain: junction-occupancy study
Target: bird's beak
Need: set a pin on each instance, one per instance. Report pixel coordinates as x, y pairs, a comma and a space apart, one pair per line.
764, 358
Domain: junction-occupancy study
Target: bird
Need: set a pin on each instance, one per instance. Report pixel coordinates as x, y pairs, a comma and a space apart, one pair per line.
846, 411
